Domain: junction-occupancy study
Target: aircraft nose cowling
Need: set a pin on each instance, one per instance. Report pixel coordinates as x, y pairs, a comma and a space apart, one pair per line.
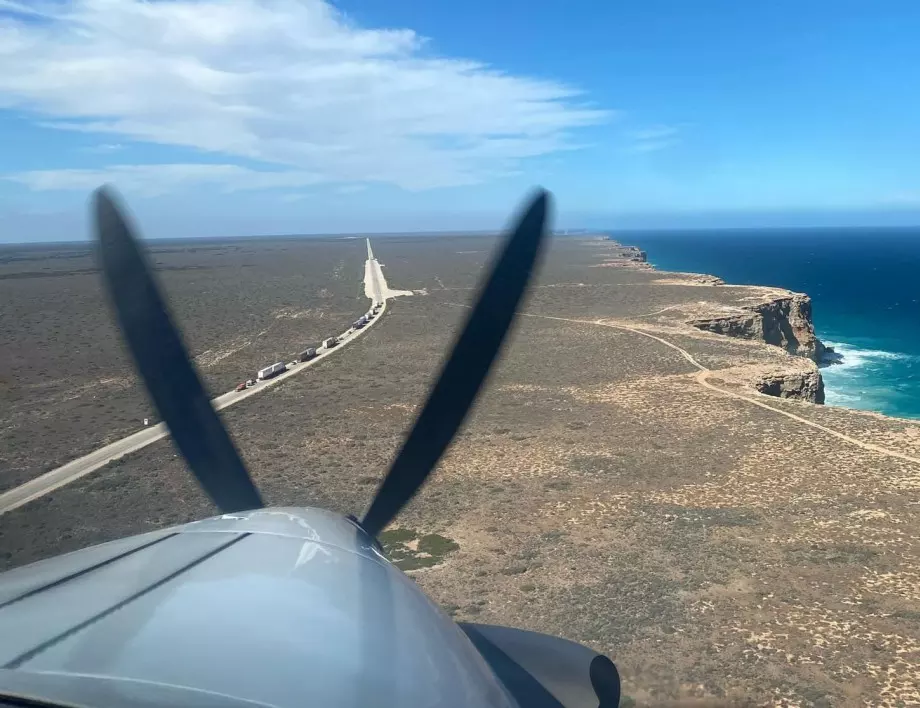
284, 607
308, 523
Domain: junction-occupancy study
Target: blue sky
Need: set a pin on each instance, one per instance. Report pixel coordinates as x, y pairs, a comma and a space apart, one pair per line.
284, 116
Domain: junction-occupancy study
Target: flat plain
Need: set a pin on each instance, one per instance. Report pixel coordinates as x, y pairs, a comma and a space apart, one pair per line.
67, 385
722, 546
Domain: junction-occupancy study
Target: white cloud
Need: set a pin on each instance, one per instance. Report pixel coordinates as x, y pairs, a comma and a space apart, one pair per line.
19, 8
652, 145
658, 132
152, 180
288, 82
105, 147
351, 188
654, 138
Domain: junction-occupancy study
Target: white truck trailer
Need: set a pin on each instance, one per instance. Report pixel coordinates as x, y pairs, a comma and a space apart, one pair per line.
270, 371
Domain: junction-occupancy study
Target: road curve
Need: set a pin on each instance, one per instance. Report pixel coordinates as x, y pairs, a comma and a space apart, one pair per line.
376, 290
702, 379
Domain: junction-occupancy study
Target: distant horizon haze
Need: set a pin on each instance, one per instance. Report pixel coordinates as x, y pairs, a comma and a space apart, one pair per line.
48, 228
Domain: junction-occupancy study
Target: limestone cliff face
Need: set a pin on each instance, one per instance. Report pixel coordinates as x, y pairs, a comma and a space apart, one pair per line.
635, 255
620, 256
784, 321
798, 385
632, 253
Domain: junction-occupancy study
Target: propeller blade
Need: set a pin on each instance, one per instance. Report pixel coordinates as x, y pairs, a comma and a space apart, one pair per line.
466, 369
163, 362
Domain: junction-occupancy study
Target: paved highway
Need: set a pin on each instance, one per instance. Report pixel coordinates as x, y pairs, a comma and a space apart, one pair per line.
375, 287
375, 284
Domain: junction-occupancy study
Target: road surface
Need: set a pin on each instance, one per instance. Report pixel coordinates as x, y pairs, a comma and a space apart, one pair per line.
375, 284
375, 287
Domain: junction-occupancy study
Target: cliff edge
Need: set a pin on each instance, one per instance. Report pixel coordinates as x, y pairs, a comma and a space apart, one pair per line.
772, 316
806, 384
784, 321
621, 256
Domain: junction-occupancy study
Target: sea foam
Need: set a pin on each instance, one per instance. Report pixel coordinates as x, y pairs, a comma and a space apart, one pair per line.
852, 382
853, 357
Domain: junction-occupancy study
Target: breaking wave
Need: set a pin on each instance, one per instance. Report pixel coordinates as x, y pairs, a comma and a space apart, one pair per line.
853, 357
856, 381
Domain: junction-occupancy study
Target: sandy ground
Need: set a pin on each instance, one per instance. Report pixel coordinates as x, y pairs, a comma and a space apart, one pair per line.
720, 545
67, 386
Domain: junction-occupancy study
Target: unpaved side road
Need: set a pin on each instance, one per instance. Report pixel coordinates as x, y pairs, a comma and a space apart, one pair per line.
702, 379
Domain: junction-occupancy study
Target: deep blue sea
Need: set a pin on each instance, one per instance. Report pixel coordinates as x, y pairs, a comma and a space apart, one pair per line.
865, 287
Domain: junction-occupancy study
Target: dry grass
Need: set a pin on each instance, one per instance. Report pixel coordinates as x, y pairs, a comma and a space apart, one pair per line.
720, 552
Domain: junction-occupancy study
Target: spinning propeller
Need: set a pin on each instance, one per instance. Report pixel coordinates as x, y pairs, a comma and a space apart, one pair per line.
183, 404
541, 671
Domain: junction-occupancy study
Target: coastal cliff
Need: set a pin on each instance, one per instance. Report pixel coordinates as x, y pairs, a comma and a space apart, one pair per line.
807, 385
773, 316
620, 256
784, 321
635, 255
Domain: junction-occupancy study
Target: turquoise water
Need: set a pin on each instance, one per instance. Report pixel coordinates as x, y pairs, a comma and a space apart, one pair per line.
864, 283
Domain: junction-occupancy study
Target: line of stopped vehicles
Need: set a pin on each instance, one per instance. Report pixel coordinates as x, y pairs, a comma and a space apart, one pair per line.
309, 353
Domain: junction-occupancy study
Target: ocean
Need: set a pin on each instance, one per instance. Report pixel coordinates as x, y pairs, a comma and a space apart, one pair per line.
865, 288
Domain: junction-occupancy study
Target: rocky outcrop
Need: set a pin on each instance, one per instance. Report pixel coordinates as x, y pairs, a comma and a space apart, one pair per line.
621, 256
702, 279
634, 254
797, 385
777, 317
784, 321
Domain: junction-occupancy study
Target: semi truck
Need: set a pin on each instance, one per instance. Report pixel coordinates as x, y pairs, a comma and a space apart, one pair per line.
307, 354
270, 371
329, 343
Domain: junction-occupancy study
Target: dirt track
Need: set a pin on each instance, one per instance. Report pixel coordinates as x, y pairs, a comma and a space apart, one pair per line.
703, 379
717, 548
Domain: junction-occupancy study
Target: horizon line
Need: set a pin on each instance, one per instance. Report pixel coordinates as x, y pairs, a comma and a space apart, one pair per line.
480, 232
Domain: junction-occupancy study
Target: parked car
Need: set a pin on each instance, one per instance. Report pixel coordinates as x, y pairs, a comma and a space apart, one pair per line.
241, 387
